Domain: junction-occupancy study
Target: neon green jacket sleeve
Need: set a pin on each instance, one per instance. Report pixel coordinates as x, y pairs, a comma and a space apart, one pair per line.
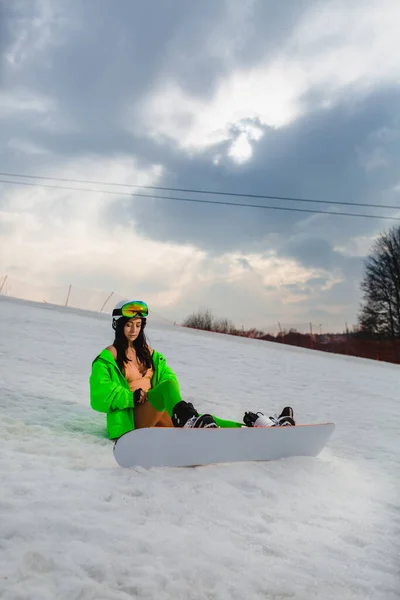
108, 393
162, 371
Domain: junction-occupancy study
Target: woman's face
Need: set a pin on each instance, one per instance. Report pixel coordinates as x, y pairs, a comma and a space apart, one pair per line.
132, 328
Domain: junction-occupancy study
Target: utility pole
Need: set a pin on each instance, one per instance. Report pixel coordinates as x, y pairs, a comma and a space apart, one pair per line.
69, 291
101, 310
3, 282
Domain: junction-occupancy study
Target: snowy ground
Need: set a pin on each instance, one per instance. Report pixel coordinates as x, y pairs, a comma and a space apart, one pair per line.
75, 526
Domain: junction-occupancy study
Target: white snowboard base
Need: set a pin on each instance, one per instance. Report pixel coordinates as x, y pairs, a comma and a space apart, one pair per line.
176, 447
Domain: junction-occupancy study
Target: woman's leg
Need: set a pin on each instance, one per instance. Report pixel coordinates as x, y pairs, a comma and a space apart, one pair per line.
157, 410
164, 397
147, 416
164, 421
226, 424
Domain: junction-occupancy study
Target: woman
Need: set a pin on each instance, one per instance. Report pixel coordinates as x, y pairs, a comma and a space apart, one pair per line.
135, 387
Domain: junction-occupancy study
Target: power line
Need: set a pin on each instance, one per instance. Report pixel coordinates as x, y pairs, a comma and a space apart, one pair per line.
196, 191
198, 200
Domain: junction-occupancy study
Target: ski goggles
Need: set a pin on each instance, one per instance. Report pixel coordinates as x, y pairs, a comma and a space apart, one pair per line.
136, 308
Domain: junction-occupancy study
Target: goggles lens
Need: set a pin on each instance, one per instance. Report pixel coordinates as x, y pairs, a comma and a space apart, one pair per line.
132, 309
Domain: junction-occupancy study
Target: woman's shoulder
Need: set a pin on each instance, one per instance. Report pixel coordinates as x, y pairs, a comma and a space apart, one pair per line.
113, 351
156, 354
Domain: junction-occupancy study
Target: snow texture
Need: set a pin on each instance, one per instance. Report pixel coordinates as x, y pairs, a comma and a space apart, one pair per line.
75, 526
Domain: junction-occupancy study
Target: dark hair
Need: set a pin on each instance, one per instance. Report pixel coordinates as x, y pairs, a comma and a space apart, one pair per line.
140, 345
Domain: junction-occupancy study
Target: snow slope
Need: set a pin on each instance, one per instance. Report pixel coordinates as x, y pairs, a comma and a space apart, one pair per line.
73, 525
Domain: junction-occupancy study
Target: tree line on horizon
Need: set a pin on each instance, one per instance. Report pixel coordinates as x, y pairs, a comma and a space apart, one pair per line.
379, 311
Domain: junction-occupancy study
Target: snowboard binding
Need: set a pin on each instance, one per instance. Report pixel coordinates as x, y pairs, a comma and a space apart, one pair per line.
285, 419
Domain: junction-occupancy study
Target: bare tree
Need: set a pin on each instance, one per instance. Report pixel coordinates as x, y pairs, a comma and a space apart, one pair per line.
205, 320
380, 311
201, 320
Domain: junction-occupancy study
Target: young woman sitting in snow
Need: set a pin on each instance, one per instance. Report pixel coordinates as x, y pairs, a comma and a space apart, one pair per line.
135, 387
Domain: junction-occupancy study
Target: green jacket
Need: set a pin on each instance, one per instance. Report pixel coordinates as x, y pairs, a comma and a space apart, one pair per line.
110, 393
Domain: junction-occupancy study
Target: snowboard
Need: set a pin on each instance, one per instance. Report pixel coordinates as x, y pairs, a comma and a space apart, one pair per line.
180, 447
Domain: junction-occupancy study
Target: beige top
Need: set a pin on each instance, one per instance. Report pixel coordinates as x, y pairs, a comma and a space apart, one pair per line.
137, 376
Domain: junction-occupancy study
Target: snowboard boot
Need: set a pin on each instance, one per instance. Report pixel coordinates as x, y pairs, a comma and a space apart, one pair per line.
185, 415
286, 417
259, 420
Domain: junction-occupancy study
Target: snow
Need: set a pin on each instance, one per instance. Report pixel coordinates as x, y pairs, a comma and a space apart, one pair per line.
74, 525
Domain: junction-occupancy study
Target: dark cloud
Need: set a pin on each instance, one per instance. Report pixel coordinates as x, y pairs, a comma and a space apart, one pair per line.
316, 157
316, 282
5, 35
309, 251
243, 262
295, 288
310, 287
114, 56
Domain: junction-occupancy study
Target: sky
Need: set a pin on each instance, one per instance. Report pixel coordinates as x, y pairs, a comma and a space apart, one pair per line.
296, 99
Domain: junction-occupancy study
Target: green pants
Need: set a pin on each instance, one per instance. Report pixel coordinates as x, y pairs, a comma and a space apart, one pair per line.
165, 395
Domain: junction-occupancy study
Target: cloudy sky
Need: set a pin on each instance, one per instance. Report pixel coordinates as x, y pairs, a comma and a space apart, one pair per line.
292, 99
